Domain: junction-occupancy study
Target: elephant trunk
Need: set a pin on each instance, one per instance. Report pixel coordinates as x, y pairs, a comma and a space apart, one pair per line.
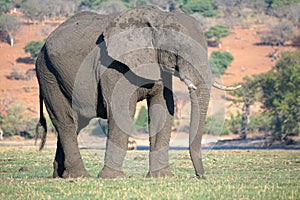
199, 104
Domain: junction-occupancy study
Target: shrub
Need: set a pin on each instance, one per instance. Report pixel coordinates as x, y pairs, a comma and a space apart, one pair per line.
278, 34
204, 7
216, 33
12, 122
216, 125
260, 122
219, 62
234, 123
16, 74
34, 47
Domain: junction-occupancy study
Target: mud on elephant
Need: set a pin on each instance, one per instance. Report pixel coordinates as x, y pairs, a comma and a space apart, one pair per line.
101, 66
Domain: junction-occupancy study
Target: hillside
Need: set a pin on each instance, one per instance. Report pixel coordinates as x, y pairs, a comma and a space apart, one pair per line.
249, 59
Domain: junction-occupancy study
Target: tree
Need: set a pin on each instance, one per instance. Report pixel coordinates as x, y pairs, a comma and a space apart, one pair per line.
247, 94
280, 3
5, 6
34, 47
90, 4
110, 7
281, 95
216, 33
40, 10
204, 7
219, 62
9, 25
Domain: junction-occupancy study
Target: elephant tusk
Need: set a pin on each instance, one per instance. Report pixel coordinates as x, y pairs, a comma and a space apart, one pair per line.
192, 86
189, 84
226, 88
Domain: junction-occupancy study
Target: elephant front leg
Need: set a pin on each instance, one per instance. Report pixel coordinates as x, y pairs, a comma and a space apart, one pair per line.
160, 118
116, 148
119, 127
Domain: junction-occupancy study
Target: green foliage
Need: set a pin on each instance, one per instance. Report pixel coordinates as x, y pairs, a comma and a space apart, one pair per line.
204, 7
141, 122
215, 125
34, 47
5, 6
280, 3
260, 122
12, 122
219, 62
249, 91
30, 125
234, 123
92, 4
281, 94
216, 33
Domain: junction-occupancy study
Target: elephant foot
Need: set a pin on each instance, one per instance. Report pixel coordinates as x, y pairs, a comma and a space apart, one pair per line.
110, 173
162, 173
75, 173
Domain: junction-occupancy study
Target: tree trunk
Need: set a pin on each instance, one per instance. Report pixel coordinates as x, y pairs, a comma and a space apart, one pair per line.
10, 39
245, 119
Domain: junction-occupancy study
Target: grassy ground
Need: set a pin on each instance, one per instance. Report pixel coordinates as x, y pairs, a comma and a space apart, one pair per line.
230, 175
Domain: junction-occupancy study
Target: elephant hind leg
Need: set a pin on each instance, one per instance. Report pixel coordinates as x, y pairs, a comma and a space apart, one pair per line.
58, 164
68, 161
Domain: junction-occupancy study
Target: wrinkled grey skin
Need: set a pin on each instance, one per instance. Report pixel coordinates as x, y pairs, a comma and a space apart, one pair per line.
101, 66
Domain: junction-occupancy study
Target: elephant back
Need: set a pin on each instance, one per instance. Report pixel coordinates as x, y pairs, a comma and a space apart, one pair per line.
73, 40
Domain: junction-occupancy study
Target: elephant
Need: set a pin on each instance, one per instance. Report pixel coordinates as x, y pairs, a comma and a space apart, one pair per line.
100, 66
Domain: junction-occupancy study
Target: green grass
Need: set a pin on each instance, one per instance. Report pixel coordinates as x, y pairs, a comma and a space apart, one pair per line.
230, 175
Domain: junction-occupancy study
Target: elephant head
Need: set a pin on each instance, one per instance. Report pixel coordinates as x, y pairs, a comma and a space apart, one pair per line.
152, 42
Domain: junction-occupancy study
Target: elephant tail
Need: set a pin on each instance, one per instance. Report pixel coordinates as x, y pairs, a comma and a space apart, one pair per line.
42, 123
226, 88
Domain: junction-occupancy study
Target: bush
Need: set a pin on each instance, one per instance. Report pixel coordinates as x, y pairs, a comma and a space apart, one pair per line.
204, 7
12, 122
260, 122
278, 34
234, 124
16, 74
34, 47
216, 125
219, 62
216, 33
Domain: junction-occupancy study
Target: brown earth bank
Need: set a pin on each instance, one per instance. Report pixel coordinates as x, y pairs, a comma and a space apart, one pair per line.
249, 59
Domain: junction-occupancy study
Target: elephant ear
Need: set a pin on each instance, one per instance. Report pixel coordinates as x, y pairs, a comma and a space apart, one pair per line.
147, 39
